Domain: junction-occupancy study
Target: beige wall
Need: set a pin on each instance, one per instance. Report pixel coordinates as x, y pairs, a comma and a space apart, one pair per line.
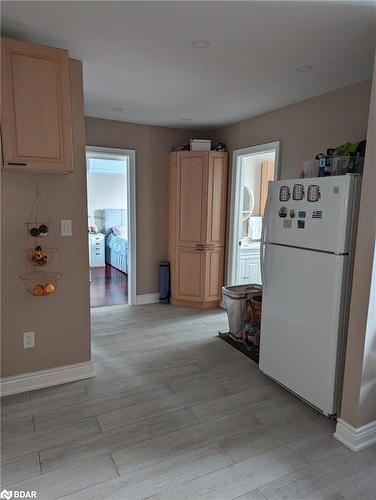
152, 145
359, 390
61, 322
305, 128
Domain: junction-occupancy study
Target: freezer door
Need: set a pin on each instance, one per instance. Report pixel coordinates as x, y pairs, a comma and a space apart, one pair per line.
324, 223
301, 322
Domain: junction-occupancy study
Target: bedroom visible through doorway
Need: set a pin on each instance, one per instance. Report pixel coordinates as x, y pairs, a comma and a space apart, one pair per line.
110, 200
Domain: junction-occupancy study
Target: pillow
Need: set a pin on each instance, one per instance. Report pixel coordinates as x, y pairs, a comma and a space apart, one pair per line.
120, 231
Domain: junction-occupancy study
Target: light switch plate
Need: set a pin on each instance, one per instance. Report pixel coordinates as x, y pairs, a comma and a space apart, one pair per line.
66, 227
28, 339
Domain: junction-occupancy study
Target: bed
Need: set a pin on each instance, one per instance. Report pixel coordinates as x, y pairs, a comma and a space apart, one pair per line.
116, 246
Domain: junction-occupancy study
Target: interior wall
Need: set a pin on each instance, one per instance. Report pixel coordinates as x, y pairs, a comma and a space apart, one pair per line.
105, 191
359, 389
152, 145
61, 322
252, 178
305, 128
252, 175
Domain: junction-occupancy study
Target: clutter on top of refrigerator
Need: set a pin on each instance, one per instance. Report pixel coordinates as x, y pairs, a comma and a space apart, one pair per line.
344, 159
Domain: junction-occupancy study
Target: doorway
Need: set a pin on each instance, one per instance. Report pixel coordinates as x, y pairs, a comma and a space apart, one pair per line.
252, 170
111, 225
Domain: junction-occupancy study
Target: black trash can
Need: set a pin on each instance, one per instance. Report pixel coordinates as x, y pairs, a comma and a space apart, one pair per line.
164, 282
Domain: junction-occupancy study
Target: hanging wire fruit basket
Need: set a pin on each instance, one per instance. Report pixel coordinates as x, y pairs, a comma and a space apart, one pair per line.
40, 283
40, 257
40, 250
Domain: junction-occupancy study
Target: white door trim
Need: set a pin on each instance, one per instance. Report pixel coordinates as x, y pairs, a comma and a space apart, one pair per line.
236, 199
131, 186
46, 378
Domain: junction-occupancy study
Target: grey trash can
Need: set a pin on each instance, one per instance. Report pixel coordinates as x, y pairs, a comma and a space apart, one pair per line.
164, 282
234, 300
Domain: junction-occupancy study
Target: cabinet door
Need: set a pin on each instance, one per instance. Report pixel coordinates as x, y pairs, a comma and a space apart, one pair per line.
36, 107
242, 272
214, 260
190, 203
252, 273
216, 196
188, 272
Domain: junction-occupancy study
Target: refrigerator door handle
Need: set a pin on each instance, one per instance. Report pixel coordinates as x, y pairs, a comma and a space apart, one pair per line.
262, 243
264, 233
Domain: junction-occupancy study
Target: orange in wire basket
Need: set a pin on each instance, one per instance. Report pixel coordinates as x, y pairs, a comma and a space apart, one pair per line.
38, 290
49, 289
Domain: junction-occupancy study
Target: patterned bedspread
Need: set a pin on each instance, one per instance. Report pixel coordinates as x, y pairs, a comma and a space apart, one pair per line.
117, 244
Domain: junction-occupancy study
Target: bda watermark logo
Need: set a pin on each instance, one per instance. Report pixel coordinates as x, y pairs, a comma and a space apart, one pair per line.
7, 495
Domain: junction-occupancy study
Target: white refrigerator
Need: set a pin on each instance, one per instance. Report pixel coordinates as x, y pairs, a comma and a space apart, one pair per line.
307, 251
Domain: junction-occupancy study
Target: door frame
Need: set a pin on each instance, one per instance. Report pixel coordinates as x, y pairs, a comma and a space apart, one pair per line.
236, 199
116, 154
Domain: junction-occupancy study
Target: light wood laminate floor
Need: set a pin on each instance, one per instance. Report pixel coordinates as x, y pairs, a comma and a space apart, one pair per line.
174, 413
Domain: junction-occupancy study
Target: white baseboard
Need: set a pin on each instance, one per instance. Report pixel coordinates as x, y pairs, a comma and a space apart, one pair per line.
147, 298
45, 378
356, 438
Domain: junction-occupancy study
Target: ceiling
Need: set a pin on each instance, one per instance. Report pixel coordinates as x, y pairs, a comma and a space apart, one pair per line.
139, 60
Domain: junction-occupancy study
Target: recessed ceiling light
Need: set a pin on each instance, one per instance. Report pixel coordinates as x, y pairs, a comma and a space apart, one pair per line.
305, 68
200, 44
186, 119
117, 109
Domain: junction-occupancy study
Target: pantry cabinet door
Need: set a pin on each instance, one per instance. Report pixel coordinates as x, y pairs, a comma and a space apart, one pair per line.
216, 196
188, 272
36, 107
214, 268
190, 202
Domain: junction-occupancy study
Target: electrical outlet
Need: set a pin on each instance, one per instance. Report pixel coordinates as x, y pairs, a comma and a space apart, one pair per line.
28, 339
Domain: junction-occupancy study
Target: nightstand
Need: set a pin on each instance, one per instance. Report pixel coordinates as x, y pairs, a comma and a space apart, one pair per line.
96, 250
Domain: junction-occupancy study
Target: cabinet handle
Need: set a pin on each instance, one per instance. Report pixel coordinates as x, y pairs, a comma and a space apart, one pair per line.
200, 249
17, 163
2, 148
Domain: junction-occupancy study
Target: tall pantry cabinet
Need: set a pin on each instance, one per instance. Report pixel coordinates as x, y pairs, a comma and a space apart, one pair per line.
197, 224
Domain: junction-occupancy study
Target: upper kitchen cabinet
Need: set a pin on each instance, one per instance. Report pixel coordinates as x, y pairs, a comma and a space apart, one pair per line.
36, 108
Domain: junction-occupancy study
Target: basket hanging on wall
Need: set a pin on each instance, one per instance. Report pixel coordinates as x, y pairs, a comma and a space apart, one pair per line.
42, 260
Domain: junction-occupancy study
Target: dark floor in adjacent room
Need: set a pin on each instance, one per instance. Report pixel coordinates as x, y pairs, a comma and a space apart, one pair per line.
108, 286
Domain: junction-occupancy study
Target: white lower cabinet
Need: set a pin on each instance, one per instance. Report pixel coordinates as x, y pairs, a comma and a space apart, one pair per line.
249, 266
